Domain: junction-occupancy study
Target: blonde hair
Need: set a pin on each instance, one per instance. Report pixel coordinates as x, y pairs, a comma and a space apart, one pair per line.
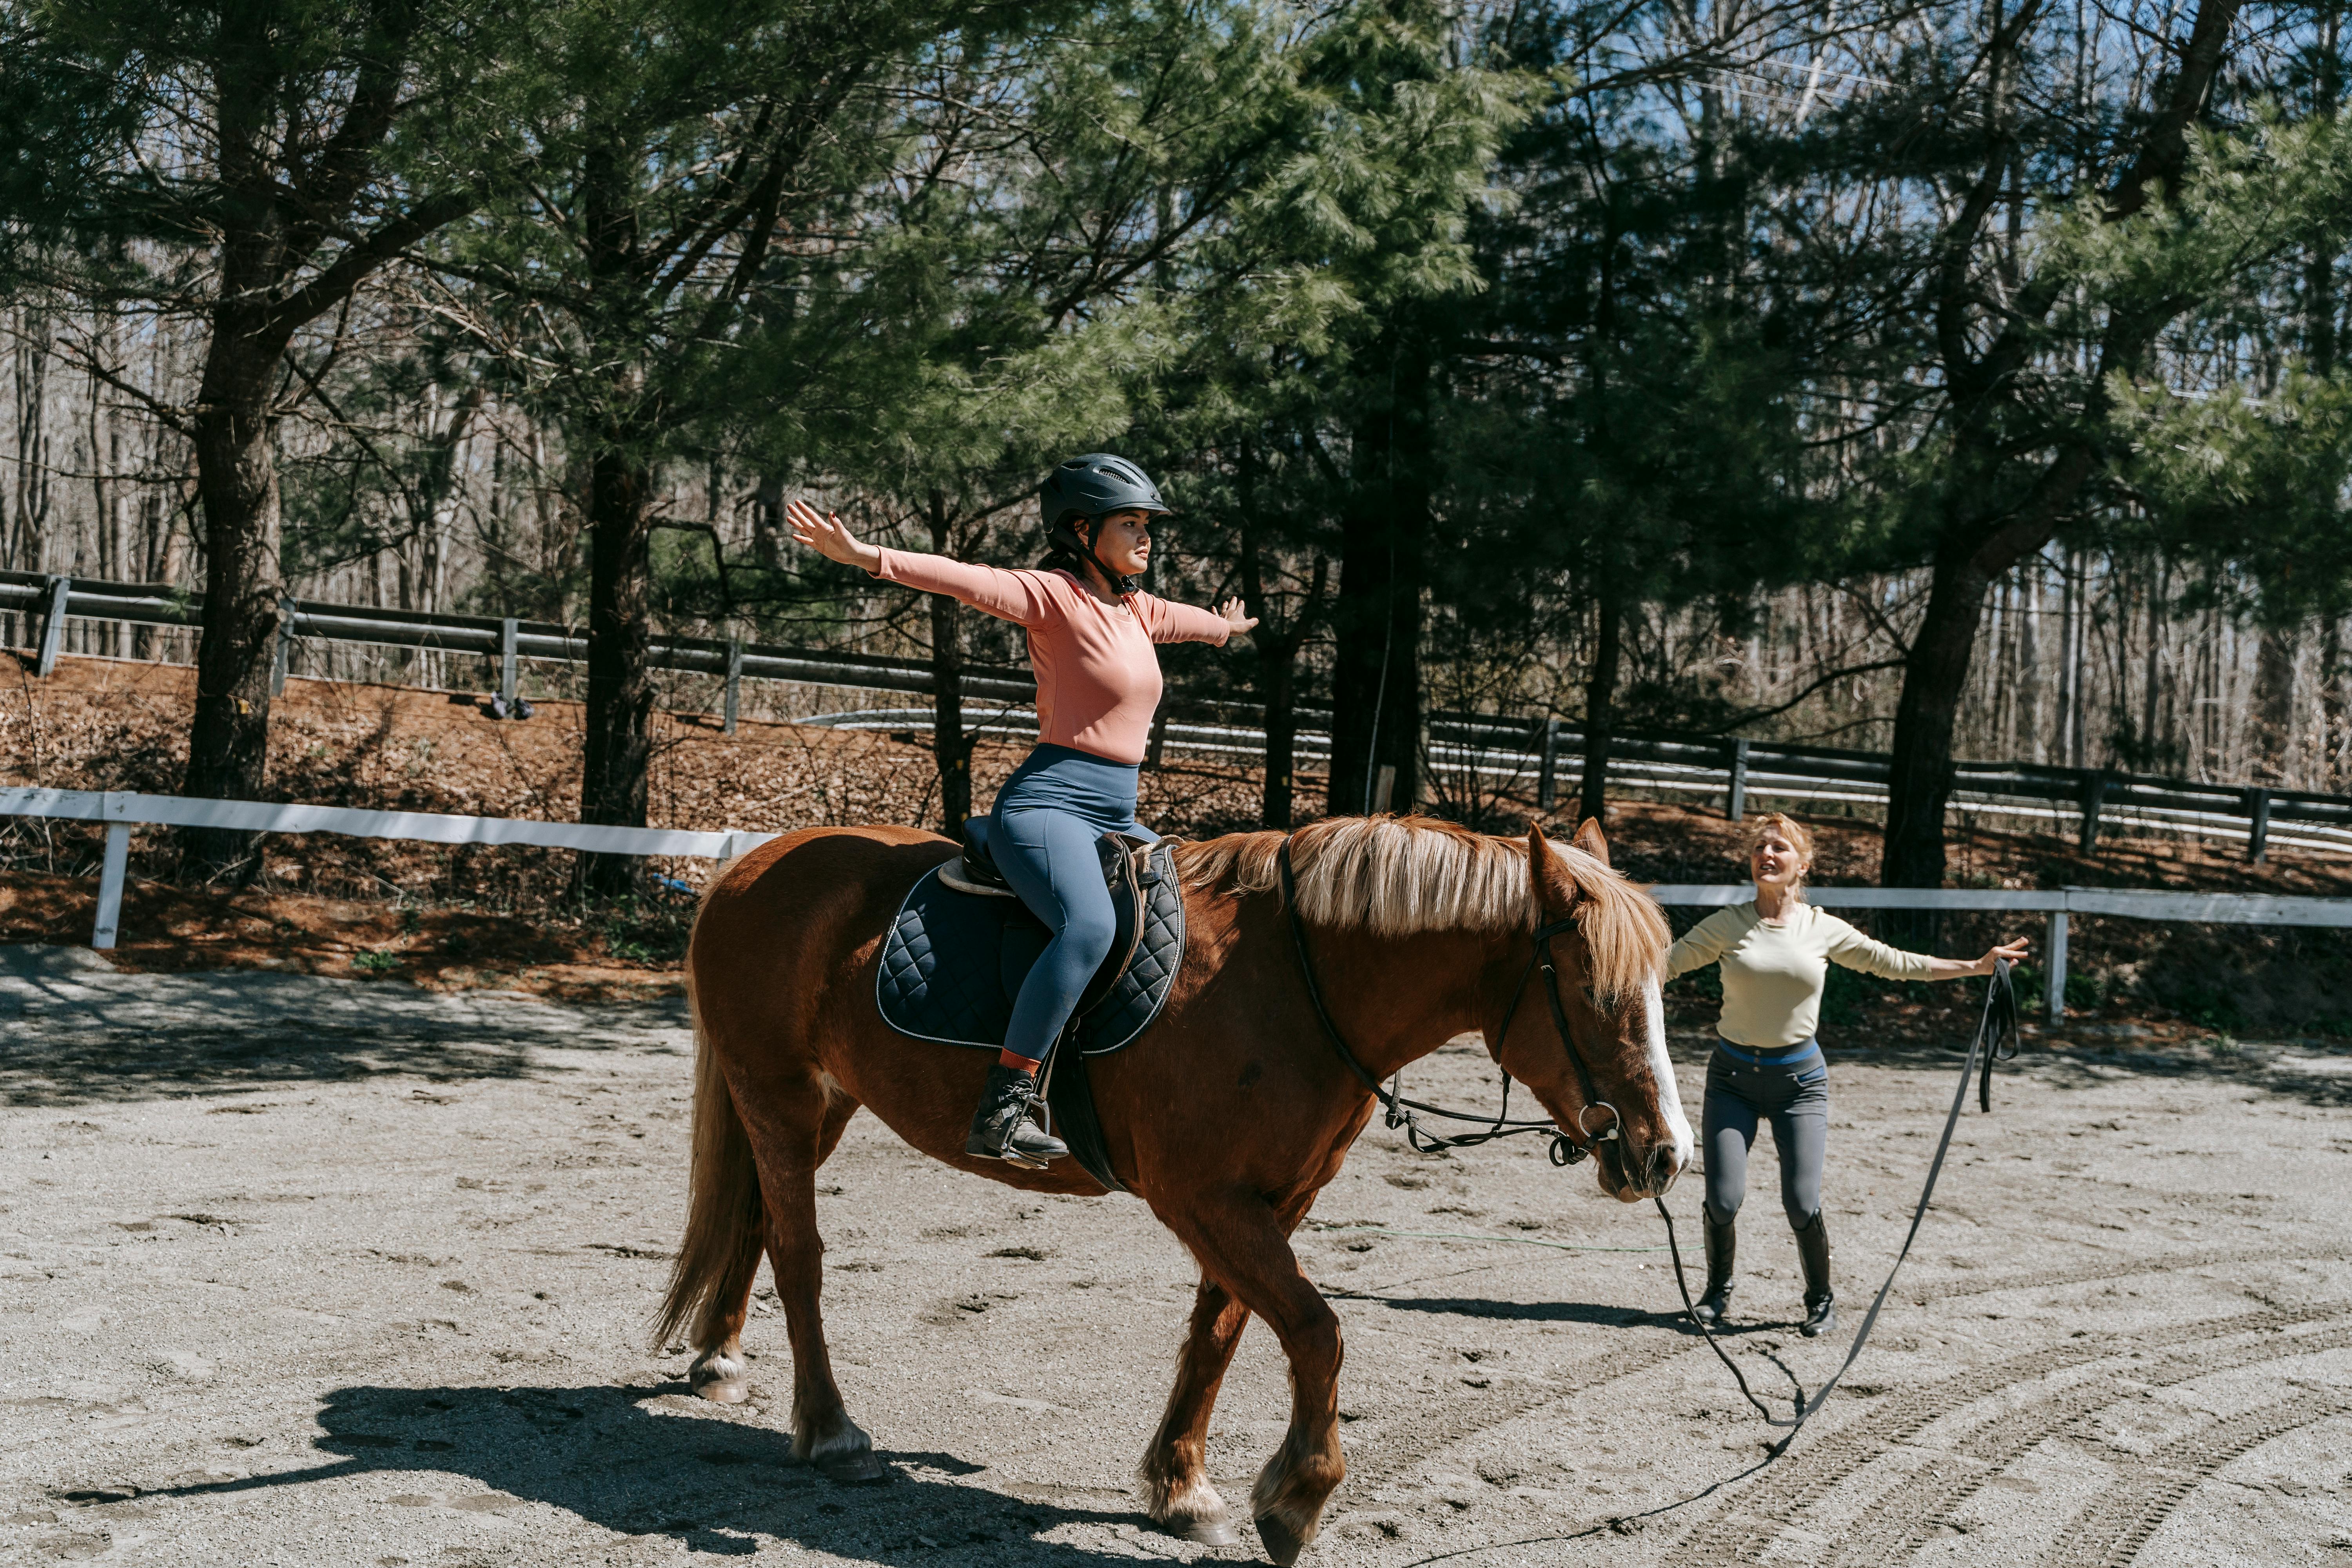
1790, 828
1396, 875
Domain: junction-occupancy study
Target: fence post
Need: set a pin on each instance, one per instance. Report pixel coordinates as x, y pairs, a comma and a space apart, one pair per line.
2258, 806
109, 885
2054, 985
1548, 769
284, 660
1383, 788
53, 627
734, 681
510, 631
1159, 741
1737, 807
2094, 793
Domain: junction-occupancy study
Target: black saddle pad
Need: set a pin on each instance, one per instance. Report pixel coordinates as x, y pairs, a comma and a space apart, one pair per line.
953, 962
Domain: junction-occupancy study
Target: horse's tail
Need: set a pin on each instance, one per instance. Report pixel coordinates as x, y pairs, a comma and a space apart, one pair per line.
725, 1222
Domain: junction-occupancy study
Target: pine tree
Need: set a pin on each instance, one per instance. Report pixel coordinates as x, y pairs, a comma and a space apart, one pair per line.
250, 167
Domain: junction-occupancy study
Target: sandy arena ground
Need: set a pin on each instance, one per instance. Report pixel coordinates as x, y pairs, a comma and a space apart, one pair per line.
311, 1271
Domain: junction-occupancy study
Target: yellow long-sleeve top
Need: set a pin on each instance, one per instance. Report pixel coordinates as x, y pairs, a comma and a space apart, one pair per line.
1773, 975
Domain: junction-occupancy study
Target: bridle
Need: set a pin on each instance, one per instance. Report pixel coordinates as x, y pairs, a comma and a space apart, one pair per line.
1567, 1149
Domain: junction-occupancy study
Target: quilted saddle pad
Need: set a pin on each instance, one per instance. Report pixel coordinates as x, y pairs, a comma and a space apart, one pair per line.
953, 962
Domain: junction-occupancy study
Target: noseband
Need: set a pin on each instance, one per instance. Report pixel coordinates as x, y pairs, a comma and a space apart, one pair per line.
1567, 1149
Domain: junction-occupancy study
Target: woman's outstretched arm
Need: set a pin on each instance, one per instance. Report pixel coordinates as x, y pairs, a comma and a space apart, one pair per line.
1849, 947
1166, 621
1020, 597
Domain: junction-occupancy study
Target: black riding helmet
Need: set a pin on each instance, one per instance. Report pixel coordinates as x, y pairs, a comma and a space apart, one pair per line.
1093, 486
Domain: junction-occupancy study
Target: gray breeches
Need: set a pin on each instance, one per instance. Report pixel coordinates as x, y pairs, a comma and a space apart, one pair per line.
1793, 1096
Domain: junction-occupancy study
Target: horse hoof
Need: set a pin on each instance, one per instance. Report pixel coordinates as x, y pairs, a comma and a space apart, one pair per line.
1282, 1542
724, 1391
859, 1469
1211, 1533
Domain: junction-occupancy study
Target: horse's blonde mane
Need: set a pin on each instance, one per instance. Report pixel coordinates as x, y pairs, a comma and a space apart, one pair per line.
1393, 875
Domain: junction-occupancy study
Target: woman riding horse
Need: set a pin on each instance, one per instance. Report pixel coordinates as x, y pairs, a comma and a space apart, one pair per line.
1091, 632
1775, 951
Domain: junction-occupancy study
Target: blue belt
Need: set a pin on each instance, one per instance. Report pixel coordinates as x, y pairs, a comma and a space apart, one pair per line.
1781, 1057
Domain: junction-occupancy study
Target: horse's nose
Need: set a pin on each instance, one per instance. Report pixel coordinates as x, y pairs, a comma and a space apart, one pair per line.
1665, 1164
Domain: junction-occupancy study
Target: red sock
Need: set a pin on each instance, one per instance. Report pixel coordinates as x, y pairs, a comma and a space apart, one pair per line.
1017, 1062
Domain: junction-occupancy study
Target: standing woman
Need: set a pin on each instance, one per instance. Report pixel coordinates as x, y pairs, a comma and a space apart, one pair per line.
1091, 632
1775, 950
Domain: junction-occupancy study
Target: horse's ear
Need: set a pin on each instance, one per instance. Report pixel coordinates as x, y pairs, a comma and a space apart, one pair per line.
1556, 891
1589, 839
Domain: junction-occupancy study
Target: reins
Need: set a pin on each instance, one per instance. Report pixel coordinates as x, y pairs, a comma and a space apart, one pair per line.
1565, 1149
1995, 1031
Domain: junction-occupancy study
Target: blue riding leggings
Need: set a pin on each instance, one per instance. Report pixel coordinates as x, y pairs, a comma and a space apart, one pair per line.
1048, 818
1789, 1088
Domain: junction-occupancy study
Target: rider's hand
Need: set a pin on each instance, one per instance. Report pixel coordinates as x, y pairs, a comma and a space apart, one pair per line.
2012, 950
1231, 610
823, 533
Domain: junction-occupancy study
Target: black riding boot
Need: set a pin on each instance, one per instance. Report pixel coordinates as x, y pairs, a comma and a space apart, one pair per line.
1813, 1252
1722, 1251
1000, 1128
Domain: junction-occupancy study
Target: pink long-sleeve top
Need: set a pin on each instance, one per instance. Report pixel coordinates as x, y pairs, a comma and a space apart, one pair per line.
1097, 677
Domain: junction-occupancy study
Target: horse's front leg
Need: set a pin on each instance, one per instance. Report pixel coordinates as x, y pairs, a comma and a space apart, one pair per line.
1243, 1243
1175, 1468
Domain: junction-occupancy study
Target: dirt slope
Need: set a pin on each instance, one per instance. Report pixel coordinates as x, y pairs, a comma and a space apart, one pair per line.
462, 917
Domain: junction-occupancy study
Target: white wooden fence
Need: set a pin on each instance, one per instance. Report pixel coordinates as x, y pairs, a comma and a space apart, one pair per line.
2054, 907
121, 812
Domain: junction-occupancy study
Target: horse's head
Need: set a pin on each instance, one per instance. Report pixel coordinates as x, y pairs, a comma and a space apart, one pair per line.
1587, 1035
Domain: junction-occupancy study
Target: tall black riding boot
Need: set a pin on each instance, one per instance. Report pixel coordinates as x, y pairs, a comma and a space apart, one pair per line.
1813, 1252
1000, 1128
1722, 1251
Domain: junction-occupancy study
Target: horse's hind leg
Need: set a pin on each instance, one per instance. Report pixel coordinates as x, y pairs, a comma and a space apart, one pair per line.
1243, 1243
720, 1373
1174, 1470
822, 1432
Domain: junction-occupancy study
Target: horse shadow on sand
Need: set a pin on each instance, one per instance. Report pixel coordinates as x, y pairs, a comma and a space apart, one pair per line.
639, 1464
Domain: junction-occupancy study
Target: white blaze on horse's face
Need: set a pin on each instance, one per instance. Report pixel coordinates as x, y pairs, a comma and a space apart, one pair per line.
1662, 1068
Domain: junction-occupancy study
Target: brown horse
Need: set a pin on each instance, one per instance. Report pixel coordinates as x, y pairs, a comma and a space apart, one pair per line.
1227, 1117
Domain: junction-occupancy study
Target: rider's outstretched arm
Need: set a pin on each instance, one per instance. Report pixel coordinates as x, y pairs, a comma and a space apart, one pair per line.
1165, 621
1016, 597
1022, 597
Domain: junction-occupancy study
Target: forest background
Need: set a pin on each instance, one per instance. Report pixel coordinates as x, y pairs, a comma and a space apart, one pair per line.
1943, 379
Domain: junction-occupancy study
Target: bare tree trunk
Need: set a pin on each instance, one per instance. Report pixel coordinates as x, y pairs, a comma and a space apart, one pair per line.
615, 783
1935, 675
236, 440
2271, 736
951, 747
2069, 665
1601, 705
1376, 696
28, 537
768, 520
1276, 642
2335, 733
2034, 747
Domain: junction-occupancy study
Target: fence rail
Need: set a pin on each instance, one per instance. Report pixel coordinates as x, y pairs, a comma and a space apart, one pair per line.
1484, 746
120, 812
